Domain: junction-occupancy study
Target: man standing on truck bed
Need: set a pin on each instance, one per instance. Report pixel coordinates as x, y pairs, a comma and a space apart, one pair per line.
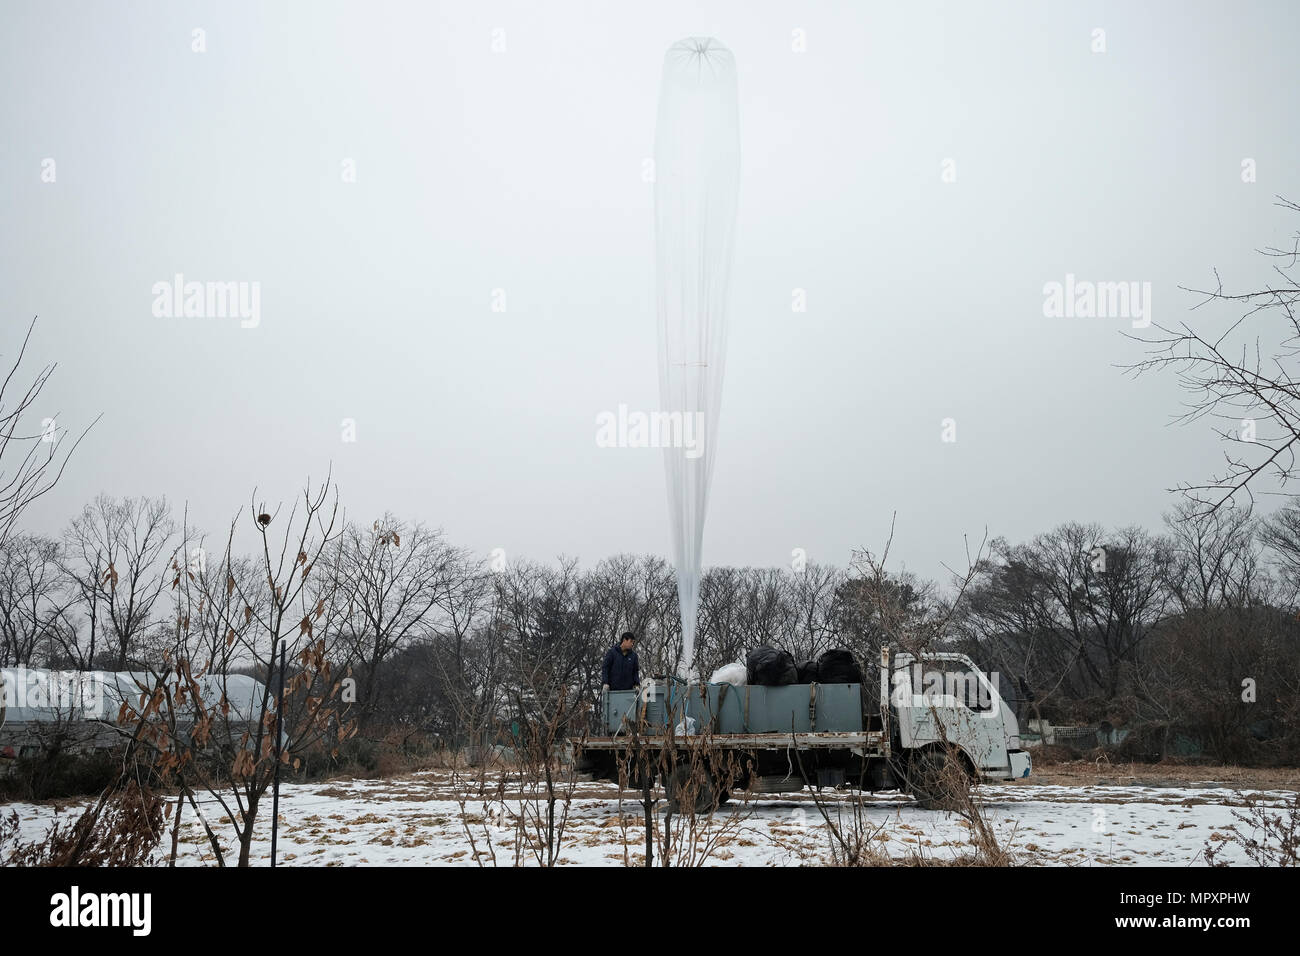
621, 671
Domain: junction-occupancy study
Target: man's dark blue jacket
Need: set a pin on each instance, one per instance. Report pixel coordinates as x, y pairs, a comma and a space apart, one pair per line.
620, 671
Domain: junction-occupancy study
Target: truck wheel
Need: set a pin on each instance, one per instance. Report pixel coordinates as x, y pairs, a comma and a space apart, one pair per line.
705, 792
929, 780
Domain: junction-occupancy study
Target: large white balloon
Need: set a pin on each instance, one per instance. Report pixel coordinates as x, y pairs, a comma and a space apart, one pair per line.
697, 177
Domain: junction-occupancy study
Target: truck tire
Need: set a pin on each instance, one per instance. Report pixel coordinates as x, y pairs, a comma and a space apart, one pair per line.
929, 781
707, 798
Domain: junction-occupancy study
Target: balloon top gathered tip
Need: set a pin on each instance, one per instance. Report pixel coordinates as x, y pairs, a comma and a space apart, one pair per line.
705, 55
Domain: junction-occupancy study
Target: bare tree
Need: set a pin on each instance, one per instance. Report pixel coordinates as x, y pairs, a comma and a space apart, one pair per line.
1074, 605
33, 597
718, 638
392, 575
211, 730
1242, 375
117, 553
813, 593
467, 652
1280, 535
637, 594
29, 466
1216, 557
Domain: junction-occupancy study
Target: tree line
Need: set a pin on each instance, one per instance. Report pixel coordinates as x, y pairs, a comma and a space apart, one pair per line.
1189, 631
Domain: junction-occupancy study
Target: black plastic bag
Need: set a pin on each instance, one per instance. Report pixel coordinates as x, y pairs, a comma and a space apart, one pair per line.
837, 666
807, 671
769, 667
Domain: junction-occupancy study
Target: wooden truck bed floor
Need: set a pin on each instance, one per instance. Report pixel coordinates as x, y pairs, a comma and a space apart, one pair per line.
855, 740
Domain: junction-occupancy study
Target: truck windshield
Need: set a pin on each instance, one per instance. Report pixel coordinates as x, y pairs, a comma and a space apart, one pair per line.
950, 678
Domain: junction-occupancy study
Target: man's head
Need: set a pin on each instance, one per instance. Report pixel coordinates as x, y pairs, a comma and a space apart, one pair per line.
628, 641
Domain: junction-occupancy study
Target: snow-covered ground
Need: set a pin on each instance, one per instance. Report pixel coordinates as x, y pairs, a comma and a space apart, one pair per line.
417, 819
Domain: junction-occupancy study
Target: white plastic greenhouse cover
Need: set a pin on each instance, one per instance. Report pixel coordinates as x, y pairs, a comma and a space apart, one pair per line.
36, 694
697, 177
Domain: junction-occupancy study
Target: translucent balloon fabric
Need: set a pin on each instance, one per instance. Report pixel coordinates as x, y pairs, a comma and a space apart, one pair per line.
697, 177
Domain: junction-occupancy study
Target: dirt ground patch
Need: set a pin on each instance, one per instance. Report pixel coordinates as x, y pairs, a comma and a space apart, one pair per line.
1077, 773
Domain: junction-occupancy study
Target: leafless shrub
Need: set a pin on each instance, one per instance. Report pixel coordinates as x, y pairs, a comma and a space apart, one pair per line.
699, 778
546, 783
205, 731
962, 796
492, 815
854, 839
122, 828
1270, 836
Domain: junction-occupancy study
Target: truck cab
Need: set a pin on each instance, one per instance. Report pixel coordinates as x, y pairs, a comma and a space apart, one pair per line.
943, 698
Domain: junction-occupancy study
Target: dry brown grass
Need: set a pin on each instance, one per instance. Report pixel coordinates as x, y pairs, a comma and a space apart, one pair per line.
1172, 773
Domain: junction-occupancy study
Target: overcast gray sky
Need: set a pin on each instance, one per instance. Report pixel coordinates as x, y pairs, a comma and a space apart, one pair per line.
500, 146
